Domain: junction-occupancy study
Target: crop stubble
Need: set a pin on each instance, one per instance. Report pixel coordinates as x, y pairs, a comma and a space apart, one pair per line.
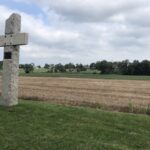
114, 94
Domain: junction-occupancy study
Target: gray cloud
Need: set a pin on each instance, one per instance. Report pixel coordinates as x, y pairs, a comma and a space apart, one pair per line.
93, 10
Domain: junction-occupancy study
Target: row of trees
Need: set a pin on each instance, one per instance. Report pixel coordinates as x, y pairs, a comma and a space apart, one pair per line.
27, 67
1, 64
70, 67
124, 67
104, 67
55, 68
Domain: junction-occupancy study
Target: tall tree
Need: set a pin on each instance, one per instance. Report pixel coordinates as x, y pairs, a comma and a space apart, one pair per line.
105, 67
28, 68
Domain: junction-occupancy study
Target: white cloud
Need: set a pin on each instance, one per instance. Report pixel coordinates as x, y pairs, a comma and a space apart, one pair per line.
43, 39
86, 31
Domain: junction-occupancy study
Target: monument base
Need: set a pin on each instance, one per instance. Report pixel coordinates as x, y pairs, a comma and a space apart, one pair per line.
7, 104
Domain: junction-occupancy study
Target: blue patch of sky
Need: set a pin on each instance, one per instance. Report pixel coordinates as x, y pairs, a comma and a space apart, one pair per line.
31, 8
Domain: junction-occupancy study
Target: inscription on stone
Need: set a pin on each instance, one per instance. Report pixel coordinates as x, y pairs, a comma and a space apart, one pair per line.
7, 55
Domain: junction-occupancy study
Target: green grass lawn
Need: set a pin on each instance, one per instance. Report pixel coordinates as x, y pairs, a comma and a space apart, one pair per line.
45, 126
85, 75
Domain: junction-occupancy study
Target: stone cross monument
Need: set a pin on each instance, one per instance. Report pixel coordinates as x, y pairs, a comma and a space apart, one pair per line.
11, 41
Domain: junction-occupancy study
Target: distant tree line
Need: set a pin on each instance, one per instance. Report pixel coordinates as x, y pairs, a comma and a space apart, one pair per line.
1, 64
124, 67
28, 68
70, 67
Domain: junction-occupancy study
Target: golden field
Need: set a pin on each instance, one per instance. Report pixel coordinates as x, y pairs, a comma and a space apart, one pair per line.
112, 94
120, 95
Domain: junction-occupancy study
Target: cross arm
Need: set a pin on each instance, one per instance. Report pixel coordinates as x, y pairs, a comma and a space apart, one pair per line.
14, 39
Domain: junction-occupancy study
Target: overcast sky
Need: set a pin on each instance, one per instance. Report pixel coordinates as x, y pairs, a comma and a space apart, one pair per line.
81, 31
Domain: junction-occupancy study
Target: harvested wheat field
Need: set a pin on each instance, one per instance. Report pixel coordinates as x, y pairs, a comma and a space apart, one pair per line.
118, 95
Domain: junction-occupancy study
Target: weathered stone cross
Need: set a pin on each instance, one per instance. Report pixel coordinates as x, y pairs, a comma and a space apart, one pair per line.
11, 41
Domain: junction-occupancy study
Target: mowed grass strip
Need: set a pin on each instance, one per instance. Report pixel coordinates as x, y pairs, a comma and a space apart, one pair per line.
44, 126
86, 75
